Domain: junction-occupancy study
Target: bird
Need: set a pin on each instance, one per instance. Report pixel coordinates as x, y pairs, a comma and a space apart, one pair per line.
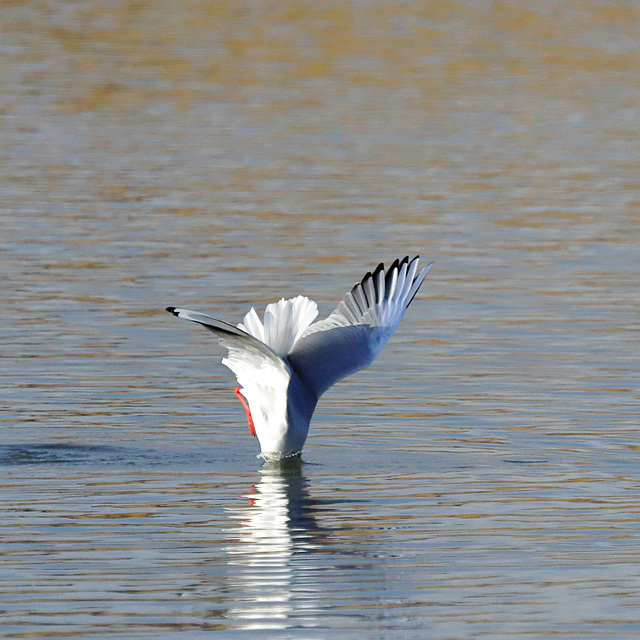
286, 362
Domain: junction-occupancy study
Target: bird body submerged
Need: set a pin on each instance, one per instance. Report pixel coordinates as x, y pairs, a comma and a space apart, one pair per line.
284, 363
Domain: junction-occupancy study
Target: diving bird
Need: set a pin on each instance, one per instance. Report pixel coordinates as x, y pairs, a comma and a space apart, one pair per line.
284, 363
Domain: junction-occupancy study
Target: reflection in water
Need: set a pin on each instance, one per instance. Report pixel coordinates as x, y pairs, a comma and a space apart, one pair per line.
272, 554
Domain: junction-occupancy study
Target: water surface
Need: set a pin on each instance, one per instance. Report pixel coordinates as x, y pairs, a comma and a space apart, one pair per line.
481, 479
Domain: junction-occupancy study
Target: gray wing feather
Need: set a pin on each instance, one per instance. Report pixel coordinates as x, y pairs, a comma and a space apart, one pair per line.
240, 344
353, 335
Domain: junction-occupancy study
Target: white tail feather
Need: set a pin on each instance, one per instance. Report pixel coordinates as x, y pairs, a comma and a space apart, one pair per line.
284, 323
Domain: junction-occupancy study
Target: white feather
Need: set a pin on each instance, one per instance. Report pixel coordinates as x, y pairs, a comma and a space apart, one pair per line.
284, 323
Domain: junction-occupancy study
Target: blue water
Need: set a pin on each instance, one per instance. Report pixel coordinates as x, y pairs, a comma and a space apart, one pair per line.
481, 479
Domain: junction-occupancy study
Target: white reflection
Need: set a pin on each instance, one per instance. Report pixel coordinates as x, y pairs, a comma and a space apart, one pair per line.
270, 557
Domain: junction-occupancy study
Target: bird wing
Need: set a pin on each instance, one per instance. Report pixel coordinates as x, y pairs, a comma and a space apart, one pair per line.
263, 375
353, 335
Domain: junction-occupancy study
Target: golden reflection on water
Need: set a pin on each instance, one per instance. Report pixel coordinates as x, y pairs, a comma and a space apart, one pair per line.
428, 51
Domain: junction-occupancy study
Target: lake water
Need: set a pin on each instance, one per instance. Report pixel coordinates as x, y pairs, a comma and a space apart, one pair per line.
481, 479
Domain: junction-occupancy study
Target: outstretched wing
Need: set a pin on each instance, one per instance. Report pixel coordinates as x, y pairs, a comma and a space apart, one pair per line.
354, 334
263, 375
240, 344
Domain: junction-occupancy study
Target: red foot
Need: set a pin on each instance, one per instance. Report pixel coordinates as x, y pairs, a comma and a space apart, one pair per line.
242, 399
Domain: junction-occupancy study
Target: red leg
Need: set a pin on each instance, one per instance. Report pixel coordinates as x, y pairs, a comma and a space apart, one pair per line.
242, 399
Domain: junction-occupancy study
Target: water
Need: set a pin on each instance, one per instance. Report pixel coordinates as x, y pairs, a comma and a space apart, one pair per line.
481, 479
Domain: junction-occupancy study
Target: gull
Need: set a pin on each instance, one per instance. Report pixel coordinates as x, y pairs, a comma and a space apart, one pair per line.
285, 362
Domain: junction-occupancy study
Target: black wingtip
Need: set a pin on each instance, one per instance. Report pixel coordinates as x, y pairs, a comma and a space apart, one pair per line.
389, 275
171, 310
